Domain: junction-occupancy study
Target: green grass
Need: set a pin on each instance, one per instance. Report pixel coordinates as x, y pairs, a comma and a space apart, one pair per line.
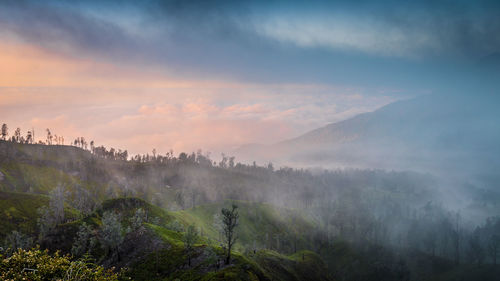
36, 179
260, 224
19, 212
128, 205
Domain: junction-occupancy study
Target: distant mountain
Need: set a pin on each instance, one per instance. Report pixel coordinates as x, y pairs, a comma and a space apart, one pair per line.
432, 133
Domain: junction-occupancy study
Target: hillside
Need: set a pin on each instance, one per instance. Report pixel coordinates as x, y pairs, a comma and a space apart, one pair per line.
294, 224
156, 251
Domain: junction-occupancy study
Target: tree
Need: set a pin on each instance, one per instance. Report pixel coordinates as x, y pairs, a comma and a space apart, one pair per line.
475, 251
17, 134
29, 137
189, 239
49, 137
83, 143
270, 167
57, 203
492, 233
494, 247
111, 233
82, 200
49, 217
223, 162
230, 222
219, 225
17, 240
456, 238
138, 219
84, 241
5, 131
45, 221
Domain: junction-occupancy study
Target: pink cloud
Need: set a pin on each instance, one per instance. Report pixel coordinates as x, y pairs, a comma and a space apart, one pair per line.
209, 117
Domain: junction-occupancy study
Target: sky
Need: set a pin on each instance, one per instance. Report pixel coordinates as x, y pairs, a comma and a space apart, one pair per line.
214, 75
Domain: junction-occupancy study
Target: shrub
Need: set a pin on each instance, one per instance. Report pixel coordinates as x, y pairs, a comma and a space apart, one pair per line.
38, 265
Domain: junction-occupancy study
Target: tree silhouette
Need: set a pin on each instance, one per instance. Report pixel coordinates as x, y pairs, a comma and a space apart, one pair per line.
17, 134
49, 137
5, 131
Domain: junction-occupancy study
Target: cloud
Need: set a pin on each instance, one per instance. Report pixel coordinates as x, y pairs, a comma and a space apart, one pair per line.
337, 42
206, 117
352, 35
423, 30
24, 65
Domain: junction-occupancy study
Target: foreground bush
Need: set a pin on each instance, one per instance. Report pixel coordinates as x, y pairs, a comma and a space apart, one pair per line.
38, 265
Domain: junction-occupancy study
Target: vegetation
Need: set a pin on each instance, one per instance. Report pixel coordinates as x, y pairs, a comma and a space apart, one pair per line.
189, 239
167, 217
111, 234
36, 264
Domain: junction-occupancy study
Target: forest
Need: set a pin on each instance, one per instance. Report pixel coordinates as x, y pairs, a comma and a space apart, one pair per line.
189, 217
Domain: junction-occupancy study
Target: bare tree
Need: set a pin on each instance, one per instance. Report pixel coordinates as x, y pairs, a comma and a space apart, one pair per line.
5, 131
57, 197
17, 134
29, 137
494, 247
456, 238
230, 221
475, 251
49, 137
49, 217
82, 200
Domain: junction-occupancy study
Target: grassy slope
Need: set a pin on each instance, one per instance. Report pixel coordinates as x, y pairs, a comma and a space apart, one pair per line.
37, 179
258, 221
259, 224
169, 262
18, 211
